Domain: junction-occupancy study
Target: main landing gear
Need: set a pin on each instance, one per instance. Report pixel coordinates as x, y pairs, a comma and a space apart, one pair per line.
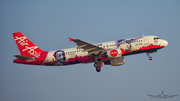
98, 63
150, 58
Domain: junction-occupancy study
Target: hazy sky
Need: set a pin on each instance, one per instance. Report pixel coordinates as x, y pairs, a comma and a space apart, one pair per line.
49, 23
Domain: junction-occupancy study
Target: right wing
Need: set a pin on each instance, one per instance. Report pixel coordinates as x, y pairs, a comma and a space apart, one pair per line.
171, 96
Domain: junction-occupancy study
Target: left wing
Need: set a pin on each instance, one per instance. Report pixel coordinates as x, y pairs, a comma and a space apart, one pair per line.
151, 95
90, 48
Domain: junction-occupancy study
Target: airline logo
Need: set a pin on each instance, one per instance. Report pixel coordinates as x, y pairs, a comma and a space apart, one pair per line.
26, 47
23, 42
113, 53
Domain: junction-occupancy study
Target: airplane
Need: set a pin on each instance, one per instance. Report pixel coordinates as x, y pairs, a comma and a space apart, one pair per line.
162, 96
110, 53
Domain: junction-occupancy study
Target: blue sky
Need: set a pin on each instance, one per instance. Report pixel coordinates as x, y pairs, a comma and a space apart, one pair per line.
48, 24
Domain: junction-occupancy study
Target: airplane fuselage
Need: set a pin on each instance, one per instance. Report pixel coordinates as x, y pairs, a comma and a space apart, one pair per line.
148, 44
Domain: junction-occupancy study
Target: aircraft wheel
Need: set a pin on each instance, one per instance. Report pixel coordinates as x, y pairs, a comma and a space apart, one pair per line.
150, 58
96, 64
98, 69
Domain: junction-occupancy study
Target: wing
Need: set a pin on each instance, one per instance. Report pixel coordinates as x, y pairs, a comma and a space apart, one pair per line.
90, 48
171, 96
151, 95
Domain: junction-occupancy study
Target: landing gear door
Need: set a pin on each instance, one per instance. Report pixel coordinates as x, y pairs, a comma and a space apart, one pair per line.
146, 41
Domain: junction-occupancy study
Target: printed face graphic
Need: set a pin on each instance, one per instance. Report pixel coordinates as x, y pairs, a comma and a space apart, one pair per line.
60, 56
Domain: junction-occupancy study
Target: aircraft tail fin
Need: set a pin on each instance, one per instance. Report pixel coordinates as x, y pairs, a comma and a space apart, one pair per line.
26, 47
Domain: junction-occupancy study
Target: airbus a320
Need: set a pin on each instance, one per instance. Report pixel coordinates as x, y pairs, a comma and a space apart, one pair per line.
162, 96
107, 53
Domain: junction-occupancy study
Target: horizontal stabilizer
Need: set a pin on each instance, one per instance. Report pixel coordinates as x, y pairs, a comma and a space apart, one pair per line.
23, 58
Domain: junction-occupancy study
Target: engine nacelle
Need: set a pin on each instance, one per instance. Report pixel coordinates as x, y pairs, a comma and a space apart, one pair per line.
114, 53
115, 62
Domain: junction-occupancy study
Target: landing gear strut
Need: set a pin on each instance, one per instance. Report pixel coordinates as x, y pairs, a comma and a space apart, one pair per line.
150, 58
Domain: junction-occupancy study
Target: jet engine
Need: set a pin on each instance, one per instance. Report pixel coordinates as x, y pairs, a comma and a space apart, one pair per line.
114, 53
115, 62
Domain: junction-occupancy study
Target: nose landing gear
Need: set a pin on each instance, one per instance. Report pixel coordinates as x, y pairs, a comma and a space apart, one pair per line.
150, 58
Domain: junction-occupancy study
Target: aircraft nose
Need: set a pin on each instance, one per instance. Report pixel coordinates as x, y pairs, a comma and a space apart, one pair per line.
165, 43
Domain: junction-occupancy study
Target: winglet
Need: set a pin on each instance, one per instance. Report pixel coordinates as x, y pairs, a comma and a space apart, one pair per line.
71, 39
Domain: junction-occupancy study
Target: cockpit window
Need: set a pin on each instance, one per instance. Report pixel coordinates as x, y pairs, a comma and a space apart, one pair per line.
156, 38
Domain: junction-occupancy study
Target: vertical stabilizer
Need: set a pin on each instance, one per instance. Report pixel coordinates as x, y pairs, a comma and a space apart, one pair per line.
162, 93
26, 47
